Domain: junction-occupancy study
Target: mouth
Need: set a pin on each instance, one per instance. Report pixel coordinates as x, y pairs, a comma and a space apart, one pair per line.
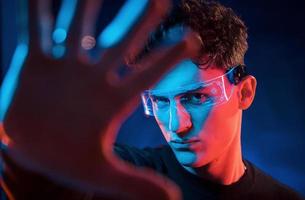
188, 141
183, 144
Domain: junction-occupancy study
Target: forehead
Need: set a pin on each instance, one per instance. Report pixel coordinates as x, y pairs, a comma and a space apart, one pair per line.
186, 75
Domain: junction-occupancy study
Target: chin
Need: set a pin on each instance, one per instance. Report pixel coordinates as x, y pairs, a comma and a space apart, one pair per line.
185, 158
203, 160
198, 164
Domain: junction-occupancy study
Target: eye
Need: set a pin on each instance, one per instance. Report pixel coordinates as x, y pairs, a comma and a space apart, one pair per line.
194, 98
160, 101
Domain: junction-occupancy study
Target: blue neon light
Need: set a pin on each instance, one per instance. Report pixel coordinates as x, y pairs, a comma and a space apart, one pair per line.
59, 35
11, 79
58, 51
122, 23
64, 20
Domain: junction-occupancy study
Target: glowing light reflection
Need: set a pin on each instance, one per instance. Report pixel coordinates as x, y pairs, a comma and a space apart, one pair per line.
64, 20
122, 23
11, 79
58, 51
59, 35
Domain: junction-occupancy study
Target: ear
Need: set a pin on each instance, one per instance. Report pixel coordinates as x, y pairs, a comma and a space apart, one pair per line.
247, 88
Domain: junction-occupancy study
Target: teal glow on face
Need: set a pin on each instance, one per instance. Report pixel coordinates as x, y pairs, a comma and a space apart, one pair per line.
182, 116
197, 132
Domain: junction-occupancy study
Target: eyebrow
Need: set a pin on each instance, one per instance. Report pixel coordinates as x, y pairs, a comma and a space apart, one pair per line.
184, 92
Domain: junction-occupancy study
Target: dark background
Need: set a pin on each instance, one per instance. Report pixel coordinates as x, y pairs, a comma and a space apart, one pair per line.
273, 131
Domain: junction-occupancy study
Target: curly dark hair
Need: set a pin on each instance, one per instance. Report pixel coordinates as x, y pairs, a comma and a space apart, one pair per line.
223, 33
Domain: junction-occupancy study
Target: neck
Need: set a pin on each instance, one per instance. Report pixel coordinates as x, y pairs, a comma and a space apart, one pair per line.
226, 169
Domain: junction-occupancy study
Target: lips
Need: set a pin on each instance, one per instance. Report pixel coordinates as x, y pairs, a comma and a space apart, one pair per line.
183, 144
188, 141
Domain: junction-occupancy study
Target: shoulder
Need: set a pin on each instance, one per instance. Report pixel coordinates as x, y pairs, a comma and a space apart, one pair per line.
147, 157
266, 186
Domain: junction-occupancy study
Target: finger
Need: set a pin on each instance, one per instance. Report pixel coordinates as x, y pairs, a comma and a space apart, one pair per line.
82, 25
88, 40
10, 81
151, 68
127, 33
63, 22
29, 37
39, 24
46, 25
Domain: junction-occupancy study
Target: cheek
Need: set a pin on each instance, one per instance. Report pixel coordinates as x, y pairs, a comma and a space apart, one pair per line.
219, 126
163, 128
199, 117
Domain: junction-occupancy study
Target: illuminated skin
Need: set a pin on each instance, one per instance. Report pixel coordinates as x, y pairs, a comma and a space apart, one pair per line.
205, 140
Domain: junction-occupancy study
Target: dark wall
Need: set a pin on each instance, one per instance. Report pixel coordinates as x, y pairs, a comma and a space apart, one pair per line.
273, 128
273, 131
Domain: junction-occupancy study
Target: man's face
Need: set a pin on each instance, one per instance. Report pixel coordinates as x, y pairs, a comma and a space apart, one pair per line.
197, 133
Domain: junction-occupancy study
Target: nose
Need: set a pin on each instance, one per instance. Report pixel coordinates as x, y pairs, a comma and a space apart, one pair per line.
179, 119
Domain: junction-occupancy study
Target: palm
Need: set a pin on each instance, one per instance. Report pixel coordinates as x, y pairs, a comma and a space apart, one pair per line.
66, 112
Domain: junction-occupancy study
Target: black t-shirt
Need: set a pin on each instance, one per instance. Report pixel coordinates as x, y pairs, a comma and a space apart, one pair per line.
254, 184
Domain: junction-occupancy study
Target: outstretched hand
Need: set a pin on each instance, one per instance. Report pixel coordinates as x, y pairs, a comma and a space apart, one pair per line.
65, 112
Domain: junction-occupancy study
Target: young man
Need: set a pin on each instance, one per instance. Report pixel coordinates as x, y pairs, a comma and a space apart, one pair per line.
198, 106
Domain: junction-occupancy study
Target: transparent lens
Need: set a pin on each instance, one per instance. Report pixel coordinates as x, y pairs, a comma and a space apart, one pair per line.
209, 93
